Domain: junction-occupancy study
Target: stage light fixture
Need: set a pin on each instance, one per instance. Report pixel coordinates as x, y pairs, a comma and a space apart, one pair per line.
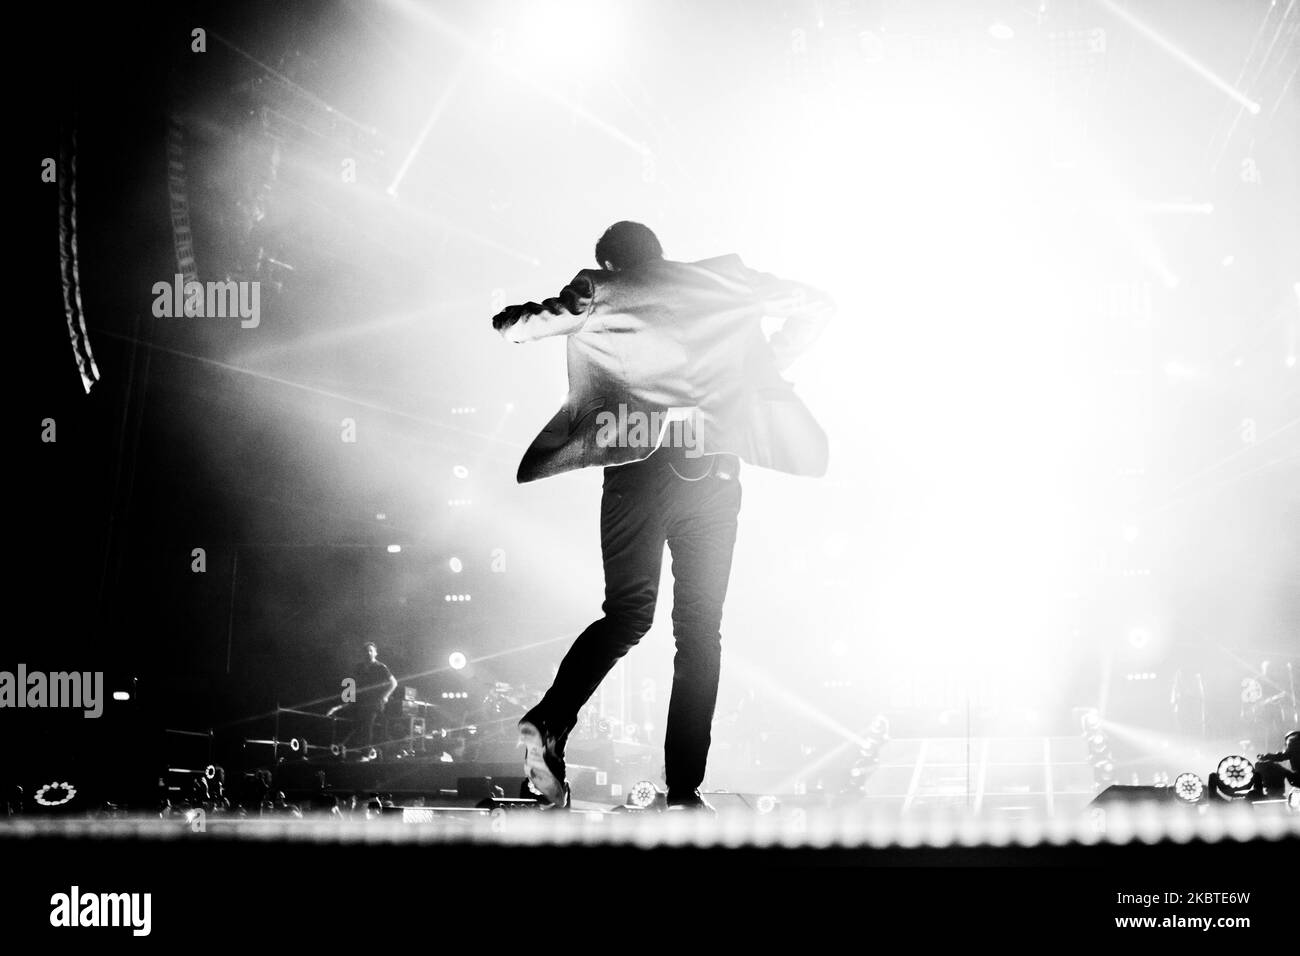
1001, 31
460, 471
1091, 720
394, 549
1236, 773
642, 795
121, 695
1189, 788
55, 794
766, 804
457, 660
456, 565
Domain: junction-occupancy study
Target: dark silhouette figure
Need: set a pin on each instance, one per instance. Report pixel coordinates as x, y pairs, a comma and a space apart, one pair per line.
671, 384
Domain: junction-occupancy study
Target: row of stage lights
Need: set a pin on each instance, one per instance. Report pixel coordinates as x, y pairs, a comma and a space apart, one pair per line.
868, 759
459, 472
1234, 778
454, 564
1099, 752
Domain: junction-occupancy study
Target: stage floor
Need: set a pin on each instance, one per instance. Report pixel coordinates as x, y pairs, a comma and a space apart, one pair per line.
423, 873
514, 822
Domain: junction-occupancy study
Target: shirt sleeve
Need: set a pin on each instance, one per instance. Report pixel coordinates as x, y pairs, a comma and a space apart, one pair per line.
805, 310
562, 314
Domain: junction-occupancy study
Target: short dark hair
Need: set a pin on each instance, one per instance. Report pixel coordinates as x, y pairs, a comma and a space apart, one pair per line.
627, 244
370, 644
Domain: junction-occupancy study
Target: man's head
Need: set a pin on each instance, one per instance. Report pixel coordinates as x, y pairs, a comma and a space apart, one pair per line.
627, 244
372, 652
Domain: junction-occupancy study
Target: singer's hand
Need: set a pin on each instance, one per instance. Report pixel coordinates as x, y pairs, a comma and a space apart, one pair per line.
506, 317
782, 354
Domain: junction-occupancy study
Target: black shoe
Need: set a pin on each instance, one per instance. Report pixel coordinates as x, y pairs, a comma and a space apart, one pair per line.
544, 759
528, 792
690, 801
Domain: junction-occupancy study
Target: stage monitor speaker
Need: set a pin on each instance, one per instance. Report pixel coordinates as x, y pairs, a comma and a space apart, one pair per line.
1117, 793
728, 801
475, 787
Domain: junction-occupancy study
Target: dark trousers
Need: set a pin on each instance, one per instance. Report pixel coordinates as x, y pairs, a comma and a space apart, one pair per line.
364, 717
645, 505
